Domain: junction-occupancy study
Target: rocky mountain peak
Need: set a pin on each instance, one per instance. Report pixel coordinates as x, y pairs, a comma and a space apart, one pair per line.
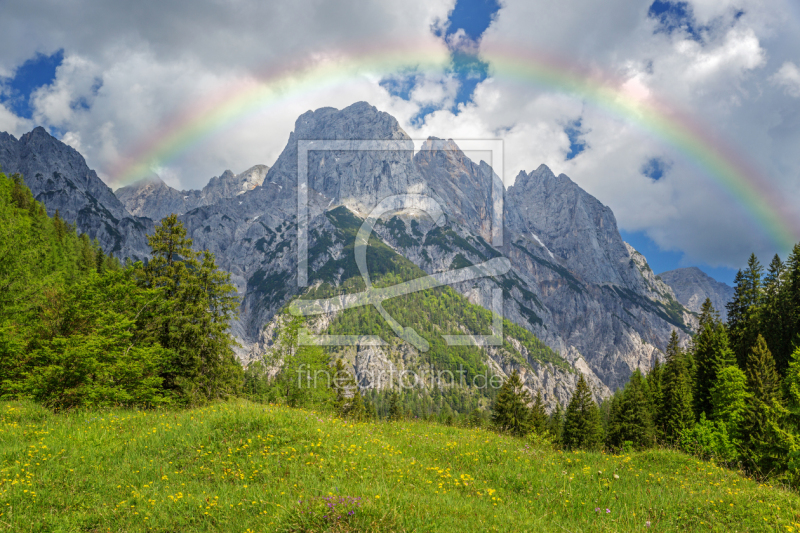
464, 186
692, 286
354, 177
59, 177
154, 199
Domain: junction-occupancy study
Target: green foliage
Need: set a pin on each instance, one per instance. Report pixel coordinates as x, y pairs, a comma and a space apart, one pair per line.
764, 410
192, 317
631, 419
511, 412
729, 399
710, 353
76, 329
583, 428
304, 378
676, 413
710, 440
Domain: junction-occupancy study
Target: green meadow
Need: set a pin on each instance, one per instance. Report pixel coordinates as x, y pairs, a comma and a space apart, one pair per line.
246, 467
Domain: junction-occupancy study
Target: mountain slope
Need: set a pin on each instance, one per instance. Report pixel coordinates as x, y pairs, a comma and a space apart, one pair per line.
58, 176
572, 281
692, 286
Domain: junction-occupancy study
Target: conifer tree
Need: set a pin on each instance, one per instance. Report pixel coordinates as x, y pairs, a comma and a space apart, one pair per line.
790, 298
636, 421
613, 423
511, 411
538, 414
774, 314
583, 428
677, 410
192, 317
655, 382
711, 353
555, 424
395, 407
761, 417
744, 308
729, 399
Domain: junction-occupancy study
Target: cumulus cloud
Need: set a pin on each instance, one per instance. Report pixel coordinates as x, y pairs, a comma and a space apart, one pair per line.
729, 67
788, 78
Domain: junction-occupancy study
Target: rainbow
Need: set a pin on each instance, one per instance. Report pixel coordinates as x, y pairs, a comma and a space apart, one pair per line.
281, 82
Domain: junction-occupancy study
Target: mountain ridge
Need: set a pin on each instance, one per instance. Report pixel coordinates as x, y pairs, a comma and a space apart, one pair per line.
573, 283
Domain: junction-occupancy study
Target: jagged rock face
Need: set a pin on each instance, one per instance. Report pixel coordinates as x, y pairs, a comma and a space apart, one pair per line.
59, 177
573, 282
692, 286
358, 179
571, 224
154, 199
465, 187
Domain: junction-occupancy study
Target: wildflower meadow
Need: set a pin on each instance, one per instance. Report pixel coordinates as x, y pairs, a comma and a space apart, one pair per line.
246, 467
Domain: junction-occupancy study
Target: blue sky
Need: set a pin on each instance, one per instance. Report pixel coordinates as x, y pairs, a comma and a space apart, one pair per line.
40, 70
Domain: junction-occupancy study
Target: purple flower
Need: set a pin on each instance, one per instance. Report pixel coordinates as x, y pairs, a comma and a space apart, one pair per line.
608, 510
596, 509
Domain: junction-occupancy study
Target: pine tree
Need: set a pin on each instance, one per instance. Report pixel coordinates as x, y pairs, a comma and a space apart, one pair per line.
677, 412
761, 417
538, 414
510, 411
583, 428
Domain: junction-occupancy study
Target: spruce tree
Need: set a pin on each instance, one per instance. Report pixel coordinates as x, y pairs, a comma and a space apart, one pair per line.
744, 309
711, 352
511, 411
677, 412
192, 317
761, 417
613, 423
395, 407
583, 428
555, 424
774, 314
538, 414
655, 382
790, 297
730, 399
636, 421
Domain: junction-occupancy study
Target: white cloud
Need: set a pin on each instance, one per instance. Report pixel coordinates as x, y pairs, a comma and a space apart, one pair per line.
160, 63
11, 123
788, 78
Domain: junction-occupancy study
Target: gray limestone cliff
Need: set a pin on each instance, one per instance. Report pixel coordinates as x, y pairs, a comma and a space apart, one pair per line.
154, 199
573, 282
692, 286
58, 176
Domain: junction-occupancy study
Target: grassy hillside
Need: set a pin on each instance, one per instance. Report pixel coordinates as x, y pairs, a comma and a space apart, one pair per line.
243, 467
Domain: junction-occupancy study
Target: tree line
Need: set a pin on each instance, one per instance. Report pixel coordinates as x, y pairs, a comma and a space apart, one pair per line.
733, 396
